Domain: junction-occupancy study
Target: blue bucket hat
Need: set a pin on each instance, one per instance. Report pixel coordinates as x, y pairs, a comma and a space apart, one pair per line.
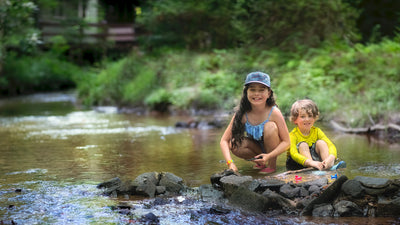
258, 77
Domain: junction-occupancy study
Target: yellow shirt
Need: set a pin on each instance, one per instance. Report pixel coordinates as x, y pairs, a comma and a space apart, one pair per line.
315, 134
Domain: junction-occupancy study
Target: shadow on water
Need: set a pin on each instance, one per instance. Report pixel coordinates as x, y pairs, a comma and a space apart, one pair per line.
53, 154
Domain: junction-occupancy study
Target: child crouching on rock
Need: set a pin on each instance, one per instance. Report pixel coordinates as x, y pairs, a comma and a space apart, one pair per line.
309, 147
257, 131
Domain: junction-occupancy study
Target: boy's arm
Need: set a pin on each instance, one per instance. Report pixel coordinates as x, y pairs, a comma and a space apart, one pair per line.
331, 146
294, 152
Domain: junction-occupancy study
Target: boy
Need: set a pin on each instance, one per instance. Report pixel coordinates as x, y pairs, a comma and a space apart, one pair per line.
309, 147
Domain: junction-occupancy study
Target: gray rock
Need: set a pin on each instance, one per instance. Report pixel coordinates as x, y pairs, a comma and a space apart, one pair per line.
268, 183
303, 192
319, 182
210, 194
388, 206
110, 183
372, 182
323, 210
254, 202
326, 196
111, 187
216, 178
289, 191
160, 190
353, 188
348, 208
146, 183
232, 182
314, 189
171, 182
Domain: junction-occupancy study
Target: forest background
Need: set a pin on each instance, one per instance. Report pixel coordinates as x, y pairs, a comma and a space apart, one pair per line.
194, 55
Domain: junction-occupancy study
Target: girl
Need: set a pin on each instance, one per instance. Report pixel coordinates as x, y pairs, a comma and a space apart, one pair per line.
310, 147
258, 129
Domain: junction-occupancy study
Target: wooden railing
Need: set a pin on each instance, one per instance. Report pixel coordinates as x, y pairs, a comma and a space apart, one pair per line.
89, 33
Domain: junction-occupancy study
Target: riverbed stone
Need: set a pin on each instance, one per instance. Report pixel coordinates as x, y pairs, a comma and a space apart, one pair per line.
111, 187
372, 182
347, 208
278, 200
323, 210
215, 178
353, 188
289, 191
314, 189
232, 182
268, 183
146, 183
318, 182
303, 192
388, 206
254, 202
326, 196
171, 182
210, 194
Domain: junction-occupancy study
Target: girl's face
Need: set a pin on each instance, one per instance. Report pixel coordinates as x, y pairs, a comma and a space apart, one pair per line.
304, 121
257, 93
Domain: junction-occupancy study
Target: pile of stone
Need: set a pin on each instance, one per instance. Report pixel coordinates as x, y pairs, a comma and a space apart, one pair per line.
361, 196
147, 184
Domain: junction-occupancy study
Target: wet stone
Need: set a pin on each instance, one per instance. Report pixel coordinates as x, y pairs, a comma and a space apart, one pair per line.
269, 183
210, 194
289, 191
323, 210
150, 218
347, 208
319, 182
232, 182
353, 188
314, 189
388, 206
372, 182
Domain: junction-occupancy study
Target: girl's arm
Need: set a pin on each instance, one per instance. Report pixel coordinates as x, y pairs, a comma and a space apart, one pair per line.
225, 146
283, 133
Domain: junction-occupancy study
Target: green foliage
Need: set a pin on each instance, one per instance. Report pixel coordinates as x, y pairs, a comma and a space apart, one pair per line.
159, 100
43, 73
290, 25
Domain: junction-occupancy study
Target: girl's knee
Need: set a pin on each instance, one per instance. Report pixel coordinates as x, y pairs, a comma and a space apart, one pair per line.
270, 129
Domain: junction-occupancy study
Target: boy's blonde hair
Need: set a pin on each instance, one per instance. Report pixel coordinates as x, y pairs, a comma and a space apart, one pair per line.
308, 105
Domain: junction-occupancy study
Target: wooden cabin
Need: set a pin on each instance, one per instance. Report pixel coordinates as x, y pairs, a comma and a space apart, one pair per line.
90, 22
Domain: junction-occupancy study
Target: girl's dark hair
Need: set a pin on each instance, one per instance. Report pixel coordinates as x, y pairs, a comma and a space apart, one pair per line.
244, 106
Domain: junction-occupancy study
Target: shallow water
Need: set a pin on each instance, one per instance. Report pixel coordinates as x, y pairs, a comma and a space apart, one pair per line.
53, 154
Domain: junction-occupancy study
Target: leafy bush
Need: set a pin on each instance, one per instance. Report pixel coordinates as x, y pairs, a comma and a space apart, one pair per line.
37, 73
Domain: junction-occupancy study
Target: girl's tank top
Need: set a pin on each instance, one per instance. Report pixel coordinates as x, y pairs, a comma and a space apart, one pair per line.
256, 132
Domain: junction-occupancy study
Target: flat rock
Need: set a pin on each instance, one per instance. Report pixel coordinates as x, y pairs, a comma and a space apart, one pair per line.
372, 182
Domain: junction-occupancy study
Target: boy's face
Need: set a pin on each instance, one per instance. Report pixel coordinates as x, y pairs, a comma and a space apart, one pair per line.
304, 121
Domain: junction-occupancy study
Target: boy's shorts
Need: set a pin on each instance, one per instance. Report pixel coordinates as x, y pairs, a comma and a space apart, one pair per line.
293, 165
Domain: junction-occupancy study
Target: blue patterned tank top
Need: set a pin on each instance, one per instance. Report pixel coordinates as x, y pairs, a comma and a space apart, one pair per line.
256, 132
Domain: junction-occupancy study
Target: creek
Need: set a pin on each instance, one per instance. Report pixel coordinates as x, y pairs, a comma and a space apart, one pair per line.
54, 153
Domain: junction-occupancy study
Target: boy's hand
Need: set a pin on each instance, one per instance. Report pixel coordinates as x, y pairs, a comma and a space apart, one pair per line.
318, 165
328, 162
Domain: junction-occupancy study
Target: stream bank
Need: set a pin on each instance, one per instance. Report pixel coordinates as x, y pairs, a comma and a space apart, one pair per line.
231, 193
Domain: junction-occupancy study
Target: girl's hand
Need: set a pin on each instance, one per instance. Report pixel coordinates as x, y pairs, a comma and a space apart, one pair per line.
233, 167
261, 159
